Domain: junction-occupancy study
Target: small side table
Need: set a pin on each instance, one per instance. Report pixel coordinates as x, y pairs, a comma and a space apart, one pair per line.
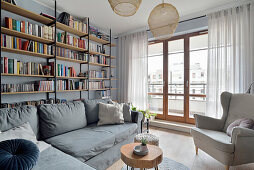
151, 160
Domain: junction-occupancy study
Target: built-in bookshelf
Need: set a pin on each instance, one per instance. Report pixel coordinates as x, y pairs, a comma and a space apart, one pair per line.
53, 57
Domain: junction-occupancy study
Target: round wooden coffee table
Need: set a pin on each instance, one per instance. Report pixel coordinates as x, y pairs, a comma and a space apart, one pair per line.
151, 160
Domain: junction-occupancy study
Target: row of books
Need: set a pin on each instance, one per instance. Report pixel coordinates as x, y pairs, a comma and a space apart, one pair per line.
13, 66
66, 38
96, 85
47, 32
33, 103
96, 47
65, 71
62, 52
104, 93
71, 85
99, 59
79, 25
33, 46
17, 87
98, 74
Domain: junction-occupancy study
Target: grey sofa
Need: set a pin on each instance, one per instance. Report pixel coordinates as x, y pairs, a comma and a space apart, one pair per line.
210, 134
71, 129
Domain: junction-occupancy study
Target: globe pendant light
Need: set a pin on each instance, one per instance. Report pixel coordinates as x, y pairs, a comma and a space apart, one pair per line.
125, 7
163, 21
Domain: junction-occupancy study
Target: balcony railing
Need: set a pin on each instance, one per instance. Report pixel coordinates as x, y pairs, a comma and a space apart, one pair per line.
197, 98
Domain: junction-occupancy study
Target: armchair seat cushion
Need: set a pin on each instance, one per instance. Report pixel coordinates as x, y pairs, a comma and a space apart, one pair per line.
213, 139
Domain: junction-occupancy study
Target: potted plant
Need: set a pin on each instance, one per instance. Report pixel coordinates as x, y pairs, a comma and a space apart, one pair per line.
143, 146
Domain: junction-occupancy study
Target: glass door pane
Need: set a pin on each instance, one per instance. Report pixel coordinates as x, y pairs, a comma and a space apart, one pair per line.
198, 74
155, 78
176, 78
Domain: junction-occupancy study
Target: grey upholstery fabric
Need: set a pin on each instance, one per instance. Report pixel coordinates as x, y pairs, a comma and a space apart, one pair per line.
110, 156
213, 139
56, 119
137, 117
210, 123
54, 159
13, 117
241, 106
83, 144
235, 150
121, 132
92, 109
127, 112
243, 139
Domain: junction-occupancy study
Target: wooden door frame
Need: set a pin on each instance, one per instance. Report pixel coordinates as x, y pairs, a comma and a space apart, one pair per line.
186, 38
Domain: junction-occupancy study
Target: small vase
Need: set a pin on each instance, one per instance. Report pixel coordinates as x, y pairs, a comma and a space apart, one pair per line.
143, 148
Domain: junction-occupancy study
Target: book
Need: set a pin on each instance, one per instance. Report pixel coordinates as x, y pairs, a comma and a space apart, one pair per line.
15, 66
10, 66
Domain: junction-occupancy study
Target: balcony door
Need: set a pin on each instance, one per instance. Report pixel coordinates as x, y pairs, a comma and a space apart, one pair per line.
177, 77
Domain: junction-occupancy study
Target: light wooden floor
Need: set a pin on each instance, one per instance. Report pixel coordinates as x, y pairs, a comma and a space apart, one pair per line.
179, 146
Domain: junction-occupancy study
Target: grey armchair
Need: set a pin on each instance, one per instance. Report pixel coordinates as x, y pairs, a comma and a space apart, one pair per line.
210, 135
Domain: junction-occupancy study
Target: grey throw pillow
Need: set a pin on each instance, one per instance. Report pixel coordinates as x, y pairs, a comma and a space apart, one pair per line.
110, 114
126, 111
245, 123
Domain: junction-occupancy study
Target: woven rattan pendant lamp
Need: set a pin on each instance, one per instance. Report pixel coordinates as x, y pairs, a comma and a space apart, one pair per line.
163, 21
125, 7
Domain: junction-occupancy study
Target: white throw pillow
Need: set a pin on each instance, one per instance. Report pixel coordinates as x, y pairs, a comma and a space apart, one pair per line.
110, 114
23, 131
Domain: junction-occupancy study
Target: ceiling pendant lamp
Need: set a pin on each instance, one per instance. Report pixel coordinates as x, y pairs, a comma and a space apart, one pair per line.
125, 7
163, 21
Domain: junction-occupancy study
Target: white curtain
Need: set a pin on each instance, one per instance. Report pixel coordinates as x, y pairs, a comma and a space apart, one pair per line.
231, 57
132, 64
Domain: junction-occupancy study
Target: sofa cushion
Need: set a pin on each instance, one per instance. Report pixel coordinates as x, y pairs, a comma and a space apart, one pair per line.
54, 159
13, 117
244, 123
56, 119
83, 144
92, 109
110, 114
241, 106
121, 132
213, 139
23, 131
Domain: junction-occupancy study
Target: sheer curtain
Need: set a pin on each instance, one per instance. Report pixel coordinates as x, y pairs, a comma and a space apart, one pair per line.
231, 57
132, 64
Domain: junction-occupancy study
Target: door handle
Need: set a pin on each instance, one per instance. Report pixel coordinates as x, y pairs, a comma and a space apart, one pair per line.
187, 83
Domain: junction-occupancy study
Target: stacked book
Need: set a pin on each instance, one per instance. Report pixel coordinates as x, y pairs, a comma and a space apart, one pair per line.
103, 36
93, 31
96, 48
28, 87
98, 59
97, 85
105, 93
71, 85
17, 87
29, 28
44, 85
79, 25
65, 38
98, 74
33, 46
33, 103
62, 52
13, 66
65, 71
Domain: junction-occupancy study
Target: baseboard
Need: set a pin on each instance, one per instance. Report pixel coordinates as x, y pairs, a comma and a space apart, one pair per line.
182, 127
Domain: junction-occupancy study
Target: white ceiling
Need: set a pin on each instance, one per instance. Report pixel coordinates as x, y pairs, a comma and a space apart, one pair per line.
102, 16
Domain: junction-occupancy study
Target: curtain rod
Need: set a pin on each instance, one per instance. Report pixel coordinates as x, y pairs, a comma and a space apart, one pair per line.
189, 19
182, 21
